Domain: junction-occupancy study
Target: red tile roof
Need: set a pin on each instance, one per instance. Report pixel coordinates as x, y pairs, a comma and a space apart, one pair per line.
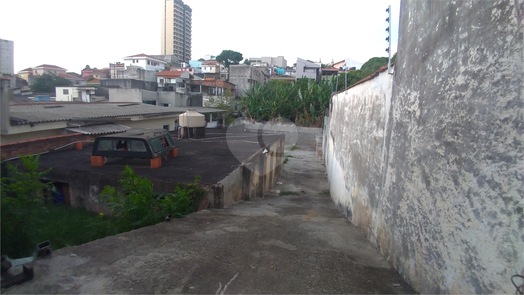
170, 74
27, 70
67, 76
49, 67
218, 83
94, 81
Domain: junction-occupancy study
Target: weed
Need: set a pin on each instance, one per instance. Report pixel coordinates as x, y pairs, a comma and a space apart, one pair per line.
324, 193
293, 148
287, 193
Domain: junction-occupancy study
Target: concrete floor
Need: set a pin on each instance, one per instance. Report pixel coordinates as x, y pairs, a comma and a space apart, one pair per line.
277, 244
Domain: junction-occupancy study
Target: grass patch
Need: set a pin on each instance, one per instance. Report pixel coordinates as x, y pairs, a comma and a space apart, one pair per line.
324, 193
64, 226
288, 193
293, 148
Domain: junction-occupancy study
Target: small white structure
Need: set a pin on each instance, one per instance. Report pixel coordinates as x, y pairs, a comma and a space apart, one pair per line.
74, 93
145, 62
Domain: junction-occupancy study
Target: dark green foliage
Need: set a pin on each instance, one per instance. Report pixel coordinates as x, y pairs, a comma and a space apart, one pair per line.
247, 62
351, 76
136, 205
22, 193
47, 83
229, 57
373, 64
289, 193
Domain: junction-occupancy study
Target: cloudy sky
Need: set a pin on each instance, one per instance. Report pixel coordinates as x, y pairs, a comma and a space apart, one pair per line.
73, 33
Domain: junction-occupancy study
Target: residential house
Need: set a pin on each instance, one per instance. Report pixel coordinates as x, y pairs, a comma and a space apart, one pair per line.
212, 88
308, 69
145, 62
329, 72
244, 76
48, 69
190, 70
211, 69
75, 81
75, 93
25, 73
96, 73
278, 61
347, 64
117, 70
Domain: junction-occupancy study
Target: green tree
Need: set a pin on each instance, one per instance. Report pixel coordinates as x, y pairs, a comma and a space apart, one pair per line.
48, 82
229, 57
247, 62
87, 67
373, 64
201, 59
22, 195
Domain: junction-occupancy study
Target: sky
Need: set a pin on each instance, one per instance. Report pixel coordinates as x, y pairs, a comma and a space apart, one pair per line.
73, 33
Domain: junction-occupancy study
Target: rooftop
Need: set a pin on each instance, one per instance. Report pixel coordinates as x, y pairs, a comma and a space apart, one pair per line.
65, 111
46, 66
212, 157
144, 56
170, 74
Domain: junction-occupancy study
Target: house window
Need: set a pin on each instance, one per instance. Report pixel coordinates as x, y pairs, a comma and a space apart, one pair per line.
65, 91
161, 81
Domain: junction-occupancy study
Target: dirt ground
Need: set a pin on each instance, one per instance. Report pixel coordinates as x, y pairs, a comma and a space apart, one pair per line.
291, 241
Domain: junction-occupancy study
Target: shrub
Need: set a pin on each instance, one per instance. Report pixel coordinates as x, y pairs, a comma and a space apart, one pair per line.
22, 193
136, 205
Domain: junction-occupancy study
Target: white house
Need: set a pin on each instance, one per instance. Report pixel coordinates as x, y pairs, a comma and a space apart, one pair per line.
74, 93
145, 62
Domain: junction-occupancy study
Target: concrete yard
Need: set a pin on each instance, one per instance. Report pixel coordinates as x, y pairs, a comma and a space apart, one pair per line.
295, 242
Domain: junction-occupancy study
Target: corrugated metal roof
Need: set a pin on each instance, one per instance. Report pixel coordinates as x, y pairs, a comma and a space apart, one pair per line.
54, 112
100, 129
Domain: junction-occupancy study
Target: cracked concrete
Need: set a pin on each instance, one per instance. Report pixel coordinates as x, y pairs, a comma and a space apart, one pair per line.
294, 243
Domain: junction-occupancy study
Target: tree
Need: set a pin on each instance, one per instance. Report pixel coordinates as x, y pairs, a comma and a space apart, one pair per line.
229, 57
47, 83
87, 68
247, 62
201, 59
373, 64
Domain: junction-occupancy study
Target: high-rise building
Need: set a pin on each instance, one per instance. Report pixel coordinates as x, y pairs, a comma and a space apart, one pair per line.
6, 57
176, 29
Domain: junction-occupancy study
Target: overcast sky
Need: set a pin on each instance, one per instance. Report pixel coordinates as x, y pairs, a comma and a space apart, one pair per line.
73, 33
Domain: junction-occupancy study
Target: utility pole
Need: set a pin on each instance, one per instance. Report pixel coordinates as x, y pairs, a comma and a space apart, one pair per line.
388, 38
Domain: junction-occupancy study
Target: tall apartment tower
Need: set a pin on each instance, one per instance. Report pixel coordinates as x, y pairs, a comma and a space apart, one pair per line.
6, 57
176, 30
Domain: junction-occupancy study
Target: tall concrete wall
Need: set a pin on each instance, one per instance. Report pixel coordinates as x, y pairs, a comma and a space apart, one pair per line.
431, 168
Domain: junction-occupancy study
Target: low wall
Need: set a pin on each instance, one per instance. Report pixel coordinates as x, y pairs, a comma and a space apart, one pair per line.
131, 95
253, 178
41, 145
